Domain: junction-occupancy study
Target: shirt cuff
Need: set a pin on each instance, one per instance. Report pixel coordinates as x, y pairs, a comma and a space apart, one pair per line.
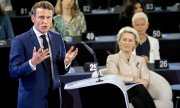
66, 66
32, 66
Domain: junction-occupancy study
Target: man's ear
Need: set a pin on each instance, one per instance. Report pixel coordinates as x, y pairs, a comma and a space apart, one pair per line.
32, 19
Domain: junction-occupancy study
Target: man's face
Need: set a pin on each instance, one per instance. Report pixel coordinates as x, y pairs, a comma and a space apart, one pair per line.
42, 19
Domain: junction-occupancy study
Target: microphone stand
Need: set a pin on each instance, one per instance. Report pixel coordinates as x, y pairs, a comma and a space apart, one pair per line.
97, 68
95, 59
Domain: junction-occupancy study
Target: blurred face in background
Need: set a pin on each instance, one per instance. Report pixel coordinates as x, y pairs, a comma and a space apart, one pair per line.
141, 25
42, 19
68, 4
137, 8
127, 42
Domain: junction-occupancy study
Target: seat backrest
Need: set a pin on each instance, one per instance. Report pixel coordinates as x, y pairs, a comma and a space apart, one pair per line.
159, 87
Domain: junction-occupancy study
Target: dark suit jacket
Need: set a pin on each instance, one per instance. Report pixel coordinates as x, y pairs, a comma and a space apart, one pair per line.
33, 85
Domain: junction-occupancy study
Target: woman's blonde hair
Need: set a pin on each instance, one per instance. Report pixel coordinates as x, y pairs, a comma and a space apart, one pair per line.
58, 8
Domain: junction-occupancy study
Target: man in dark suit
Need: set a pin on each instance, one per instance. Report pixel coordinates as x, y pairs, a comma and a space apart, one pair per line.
37, 61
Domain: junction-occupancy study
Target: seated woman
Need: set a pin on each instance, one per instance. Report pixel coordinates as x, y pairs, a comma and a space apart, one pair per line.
148, 46
69, 20
131, 68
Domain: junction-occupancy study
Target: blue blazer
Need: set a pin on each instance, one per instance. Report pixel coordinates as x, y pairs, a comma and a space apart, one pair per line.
33, 85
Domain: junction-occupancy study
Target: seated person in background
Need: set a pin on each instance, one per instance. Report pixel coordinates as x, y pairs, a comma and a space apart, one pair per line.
6, 5
6, 30
131, 68
129, 8
69, 20
148, 47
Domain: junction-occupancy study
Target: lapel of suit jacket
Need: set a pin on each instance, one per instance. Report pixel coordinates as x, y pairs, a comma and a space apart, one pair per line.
36, 44
51, 42
34, 39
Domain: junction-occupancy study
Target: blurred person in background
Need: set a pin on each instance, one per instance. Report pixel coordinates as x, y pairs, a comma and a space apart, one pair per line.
6, 5
69, 20
6, 30
129, 8
148, 47
52, 26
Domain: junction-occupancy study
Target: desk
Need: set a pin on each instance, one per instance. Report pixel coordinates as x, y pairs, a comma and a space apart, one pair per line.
4, 55
94, 23
77, 73
21, 24
169, 44
101, 46
176, 96
102, 23
165, 21
8, 90
172, 74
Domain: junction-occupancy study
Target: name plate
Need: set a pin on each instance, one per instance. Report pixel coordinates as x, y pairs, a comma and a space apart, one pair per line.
88, 36
87, 9
2, 42
157, 34
90, 66
22, 11
149, 5
161, 64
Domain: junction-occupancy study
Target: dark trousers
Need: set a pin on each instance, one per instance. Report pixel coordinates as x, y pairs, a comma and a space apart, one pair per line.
140, 97
54, 99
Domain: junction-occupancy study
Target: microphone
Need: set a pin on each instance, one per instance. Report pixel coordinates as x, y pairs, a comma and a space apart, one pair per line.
90, 50
95, 59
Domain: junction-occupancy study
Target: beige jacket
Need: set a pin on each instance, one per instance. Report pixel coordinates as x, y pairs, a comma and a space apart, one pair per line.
126, 70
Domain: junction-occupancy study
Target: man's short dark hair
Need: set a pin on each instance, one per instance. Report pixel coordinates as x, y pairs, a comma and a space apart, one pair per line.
42, 4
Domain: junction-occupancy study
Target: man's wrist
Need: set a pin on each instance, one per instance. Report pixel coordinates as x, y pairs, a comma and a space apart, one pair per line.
33, 67
67, 61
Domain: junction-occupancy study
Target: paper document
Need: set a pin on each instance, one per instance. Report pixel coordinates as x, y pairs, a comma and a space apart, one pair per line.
130, 85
